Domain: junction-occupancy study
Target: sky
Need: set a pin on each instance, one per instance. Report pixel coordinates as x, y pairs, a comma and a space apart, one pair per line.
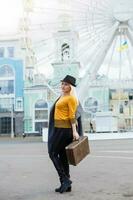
92, 20
10, 13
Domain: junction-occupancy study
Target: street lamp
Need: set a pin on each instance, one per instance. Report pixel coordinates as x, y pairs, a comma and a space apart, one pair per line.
12, 130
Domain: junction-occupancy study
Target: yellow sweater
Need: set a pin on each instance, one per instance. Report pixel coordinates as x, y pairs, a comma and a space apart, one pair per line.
65, 109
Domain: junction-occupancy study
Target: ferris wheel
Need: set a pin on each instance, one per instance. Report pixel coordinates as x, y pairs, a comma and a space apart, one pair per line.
105, 35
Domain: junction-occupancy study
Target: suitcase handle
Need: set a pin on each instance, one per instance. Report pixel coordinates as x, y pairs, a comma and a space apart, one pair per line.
77, 139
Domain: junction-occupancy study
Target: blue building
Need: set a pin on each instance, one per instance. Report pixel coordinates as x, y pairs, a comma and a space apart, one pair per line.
11, 88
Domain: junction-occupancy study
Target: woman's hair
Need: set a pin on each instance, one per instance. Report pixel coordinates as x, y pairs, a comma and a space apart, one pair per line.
74, 93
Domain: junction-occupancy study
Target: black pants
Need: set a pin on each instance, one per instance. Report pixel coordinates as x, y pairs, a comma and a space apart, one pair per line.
61, 138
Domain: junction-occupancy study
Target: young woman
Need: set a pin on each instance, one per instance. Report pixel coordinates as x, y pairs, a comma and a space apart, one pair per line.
62, 131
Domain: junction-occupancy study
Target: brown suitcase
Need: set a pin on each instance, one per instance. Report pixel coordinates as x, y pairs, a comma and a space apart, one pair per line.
77, 150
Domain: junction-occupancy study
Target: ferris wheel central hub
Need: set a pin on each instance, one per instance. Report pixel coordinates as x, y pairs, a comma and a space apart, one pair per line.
123, 12
123, 27
123, 16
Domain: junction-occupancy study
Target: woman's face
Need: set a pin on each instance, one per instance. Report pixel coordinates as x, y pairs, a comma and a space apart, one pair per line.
65, 87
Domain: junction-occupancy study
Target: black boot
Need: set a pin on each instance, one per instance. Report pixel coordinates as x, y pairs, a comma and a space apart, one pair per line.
65, 182
69, 189
59, 188
66, 185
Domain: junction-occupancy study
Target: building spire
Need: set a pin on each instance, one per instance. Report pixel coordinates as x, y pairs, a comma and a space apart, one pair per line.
26, 42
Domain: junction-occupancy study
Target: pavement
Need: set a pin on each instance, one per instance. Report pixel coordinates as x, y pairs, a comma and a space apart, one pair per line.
27, 173
109, 135
101, 136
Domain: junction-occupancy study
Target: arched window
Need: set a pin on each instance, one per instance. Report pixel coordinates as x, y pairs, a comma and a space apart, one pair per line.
65, 52
41, 110
6, 71
91, 104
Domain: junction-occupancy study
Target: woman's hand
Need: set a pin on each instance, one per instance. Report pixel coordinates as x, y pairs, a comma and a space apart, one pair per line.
75, 135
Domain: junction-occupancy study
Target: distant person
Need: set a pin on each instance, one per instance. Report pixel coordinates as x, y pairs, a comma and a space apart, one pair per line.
91, 127
62, 131
24, 135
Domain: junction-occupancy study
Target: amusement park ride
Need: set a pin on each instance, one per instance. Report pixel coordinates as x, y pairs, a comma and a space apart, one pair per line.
104, 34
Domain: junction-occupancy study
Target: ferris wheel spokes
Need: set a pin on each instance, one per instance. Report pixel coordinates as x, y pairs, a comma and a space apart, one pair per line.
128, 55
96, 64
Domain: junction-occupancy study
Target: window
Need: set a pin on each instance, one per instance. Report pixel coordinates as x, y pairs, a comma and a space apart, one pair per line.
6, 71
121, 109
130, 96
91, 104
41, 110
65, 52
6, 86
10, 51
2, 49
41, 115
40, 125
19, 104
5, 125
6, 104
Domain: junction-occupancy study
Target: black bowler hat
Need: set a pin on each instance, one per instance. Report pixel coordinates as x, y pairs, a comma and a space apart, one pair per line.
70, 79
